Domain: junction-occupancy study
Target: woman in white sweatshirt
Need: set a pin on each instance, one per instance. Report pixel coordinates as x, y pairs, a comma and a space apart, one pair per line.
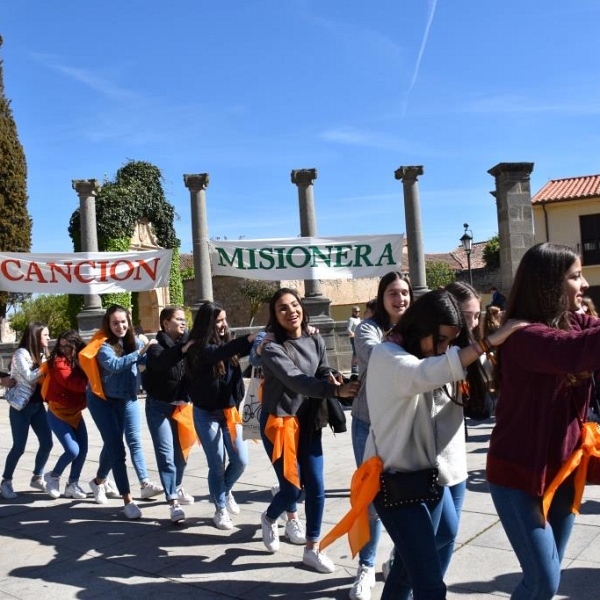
415, 399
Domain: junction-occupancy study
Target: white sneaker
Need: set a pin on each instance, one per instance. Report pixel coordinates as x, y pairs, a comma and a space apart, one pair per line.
317, 560
111, 489
150, 489
363, 584
183, 497
99, 491
270, 533
37, 483
132, 511
73, 490
52, 485
177, 514
295, 532
6, 490
386, 567
231, 504
222, 520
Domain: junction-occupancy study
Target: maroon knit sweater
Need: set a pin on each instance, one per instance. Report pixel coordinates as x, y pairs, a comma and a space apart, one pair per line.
539, 412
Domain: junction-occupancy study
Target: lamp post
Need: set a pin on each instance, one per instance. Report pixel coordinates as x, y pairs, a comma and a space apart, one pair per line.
466, 241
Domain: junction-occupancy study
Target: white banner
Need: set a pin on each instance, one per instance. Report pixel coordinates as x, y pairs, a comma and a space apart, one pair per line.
84, 272
308, 258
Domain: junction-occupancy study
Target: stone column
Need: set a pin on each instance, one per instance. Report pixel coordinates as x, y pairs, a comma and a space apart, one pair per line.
316, 304
414, 230
515, 216
90, 318
197, 185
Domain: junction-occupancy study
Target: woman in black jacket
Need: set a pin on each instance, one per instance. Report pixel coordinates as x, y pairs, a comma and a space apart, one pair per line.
165, 387
216, 388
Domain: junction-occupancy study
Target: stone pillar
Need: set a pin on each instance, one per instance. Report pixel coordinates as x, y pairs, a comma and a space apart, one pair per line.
414, 230
515, 216
90, 318
316, 304
197, 185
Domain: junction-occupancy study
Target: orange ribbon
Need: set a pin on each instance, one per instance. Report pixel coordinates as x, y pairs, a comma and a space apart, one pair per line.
186, 432
45, 380
89, 364
363, 489
579, 461
232, 418
284, 433
72, 416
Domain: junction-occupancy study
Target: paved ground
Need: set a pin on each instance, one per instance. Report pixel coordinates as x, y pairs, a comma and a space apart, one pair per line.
78, 549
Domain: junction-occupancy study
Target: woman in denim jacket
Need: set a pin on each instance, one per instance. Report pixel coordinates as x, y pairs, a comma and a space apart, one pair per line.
118, 360
25, 370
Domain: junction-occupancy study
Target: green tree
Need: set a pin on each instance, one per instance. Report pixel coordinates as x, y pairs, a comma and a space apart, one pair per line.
257, 293
438, 274
15, 230
50, 309
491, 253
136, 194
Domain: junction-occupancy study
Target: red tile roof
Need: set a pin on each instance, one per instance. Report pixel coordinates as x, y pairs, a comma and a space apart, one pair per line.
560, 190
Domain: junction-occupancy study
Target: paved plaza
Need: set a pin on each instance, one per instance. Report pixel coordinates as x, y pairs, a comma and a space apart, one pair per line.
78, 549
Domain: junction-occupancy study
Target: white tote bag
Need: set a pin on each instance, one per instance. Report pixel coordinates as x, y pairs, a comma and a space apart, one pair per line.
251, 406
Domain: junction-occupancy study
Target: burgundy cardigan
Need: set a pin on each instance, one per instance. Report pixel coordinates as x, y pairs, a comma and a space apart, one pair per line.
539, 412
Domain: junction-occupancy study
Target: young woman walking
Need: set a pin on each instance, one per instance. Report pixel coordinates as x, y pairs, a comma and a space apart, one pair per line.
216, 388
26, 371
297, 378
66, 401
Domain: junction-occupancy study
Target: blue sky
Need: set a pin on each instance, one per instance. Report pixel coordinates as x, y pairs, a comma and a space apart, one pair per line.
248, 90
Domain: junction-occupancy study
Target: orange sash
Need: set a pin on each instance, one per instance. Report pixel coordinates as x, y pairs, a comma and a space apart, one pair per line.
232, 418
72, 416
363, 489
186, 432
45, 380
284, 433
579, 460
89, 364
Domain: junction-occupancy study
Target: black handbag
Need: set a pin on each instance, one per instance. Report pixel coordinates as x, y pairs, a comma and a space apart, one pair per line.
335, 416
402, 489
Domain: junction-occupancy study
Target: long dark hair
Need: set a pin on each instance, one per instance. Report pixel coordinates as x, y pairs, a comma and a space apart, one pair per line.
69, 351
31, 340
273, 326
424, 318
204, 333
129, 341
380, 315
538, 292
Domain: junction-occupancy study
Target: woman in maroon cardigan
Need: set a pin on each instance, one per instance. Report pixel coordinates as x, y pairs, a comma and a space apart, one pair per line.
544, 376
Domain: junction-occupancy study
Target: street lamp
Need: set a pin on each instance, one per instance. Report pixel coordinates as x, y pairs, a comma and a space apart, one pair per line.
466, 241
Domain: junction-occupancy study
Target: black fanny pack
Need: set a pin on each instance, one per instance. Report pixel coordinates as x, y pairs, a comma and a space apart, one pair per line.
401, 489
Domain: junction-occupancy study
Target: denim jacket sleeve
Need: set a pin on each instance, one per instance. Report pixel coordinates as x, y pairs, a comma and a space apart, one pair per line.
109, 361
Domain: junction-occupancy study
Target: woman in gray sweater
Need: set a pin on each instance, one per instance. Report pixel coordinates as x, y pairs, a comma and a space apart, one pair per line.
297, 380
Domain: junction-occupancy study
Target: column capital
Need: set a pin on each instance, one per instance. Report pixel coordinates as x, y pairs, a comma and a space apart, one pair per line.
408, 172
85, 187
304, 176
196, 182
521, 167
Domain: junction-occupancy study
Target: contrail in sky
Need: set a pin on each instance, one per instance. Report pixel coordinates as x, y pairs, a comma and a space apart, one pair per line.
432, 5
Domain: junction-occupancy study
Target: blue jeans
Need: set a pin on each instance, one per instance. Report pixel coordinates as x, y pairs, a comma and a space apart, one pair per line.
75, 444
109, 416
413, 530
360, 433
132, 423
310, 469
34, 415
539, 545
165, 437
450, 519
214, 436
